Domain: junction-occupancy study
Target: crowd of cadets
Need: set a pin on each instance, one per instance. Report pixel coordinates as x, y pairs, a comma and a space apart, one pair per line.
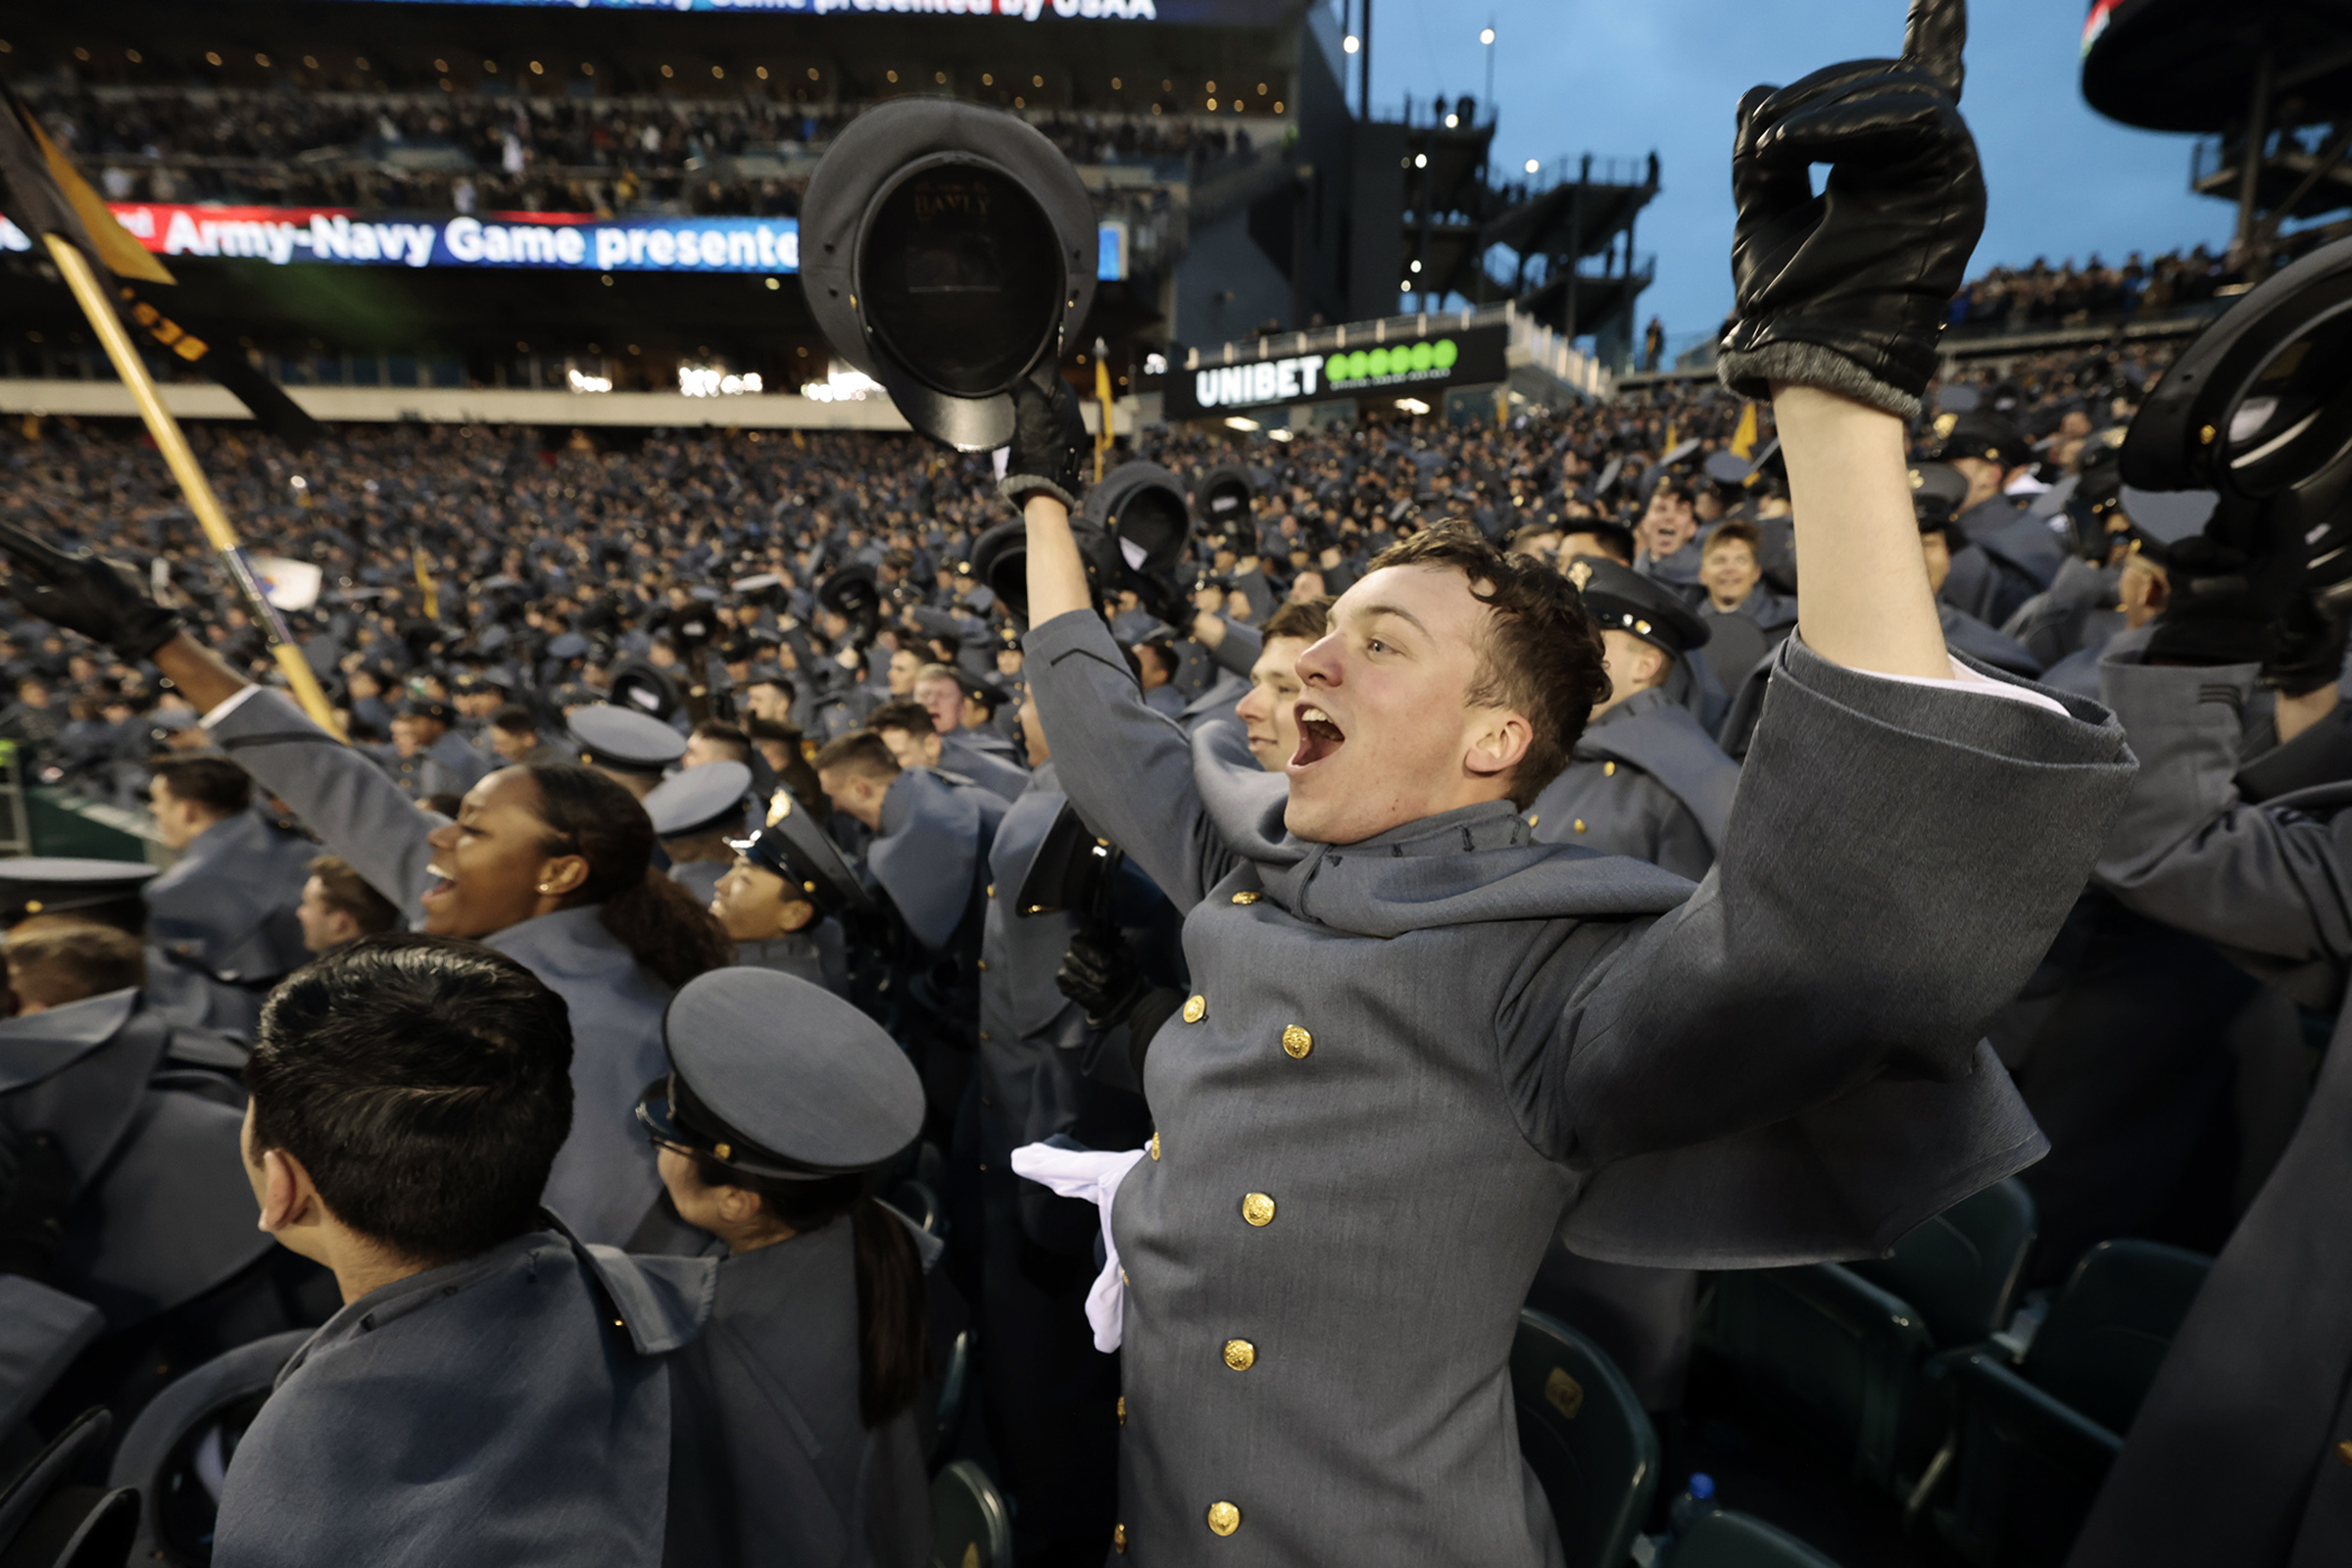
866, 805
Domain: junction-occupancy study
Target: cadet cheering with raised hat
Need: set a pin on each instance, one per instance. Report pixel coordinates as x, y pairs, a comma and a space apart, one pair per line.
1419, 1042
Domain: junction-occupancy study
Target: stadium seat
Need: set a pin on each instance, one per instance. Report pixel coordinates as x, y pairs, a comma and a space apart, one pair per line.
1730, 1538
970, 1526
50, 1519
1961, 1268
2035, 1440
1823, 1350
1585, 1437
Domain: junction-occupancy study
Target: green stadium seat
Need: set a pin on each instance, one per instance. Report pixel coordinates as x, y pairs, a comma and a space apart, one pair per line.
1824, 1351
2035, 1440
1585, 1437
1961, 1269
1730, 1538
970, 1526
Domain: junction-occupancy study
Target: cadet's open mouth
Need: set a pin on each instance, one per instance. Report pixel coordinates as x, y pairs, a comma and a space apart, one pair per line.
1318, 736
441, 884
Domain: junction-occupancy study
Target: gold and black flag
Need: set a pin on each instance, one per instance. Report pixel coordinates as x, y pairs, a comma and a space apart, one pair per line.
40, 187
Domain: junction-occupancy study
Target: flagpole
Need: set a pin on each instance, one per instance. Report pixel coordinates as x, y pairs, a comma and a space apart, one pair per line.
173, 444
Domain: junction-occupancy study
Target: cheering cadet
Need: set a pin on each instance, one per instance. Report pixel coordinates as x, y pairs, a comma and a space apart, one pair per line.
1644, 780
226, 910
428, 756
783, 897
1416, 1038
491, 1391
697, 812
795, 1433
1745, 620
548, 864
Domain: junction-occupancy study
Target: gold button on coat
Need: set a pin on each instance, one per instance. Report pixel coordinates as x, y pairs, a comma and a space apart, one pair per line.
1122, 1409
1195, 1009
1155, 1146
1608, 770
1241, 1354
1223, 1518
1258, 1209
1119, 1538
1579, 824
1248, 897
1297, 1041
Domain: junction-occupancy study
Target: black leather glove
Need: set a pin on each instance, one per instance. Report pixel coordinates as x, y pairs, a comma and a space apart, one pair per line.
99, 598
1048, 445
35, 1187
1848, 290
2231, 586
1100, 973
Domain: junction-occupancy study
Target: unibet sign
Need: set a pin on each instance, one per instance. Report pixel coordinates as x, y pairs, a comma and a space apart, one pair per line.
1467, 355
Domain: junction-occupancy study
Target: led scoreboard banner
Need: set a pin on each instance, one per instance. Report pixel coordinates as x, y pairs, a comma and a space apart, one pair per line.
563, 241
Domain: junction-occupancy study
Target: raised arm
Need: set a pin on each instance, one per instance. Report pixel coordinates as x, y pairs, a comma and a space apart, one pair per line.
1839, 302
349, 802
345, 798
1128, 769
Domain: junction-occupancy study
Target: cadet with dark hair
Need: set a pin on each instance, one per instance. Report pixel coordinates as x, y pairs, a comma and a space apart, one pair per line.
796, 1439
225, 912
490, 1392
1419, 1043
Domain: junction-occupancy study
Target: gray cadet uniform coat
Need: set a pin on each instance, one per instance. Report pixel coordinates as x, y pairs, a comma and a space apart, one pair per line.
148, 1114
814, 954
448, 767
2233, 1455
1050, 1395
224, 911
603, 1180
512, 1409
964, 754
771, 1462
1647, 781
1408, 1059
2011, 556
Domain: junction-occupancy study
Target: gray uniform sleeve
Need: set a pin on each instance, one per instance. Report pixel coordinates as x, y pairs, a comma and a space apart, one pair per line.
348, 800
1897, 861
1128, 769
2189, 853
1239, 649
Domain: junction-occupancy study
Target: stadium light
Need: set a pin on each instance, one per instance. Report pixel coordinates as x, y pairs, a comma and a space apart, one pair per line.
1352, 43
1420, 160
1452, 120
1532, 166
1237, 422
1412, 404
1487, 37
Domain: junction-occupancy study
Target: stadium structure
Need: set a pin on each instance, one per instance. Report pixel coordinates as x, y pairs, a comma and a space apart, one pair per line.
587, 214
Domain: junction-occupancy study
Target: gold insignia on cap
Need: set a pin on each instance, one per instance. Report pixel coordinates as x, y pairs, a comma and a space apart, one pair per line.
1943, 426
1580, 572
724, 1151
33, 906
1642, 626
807, 887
